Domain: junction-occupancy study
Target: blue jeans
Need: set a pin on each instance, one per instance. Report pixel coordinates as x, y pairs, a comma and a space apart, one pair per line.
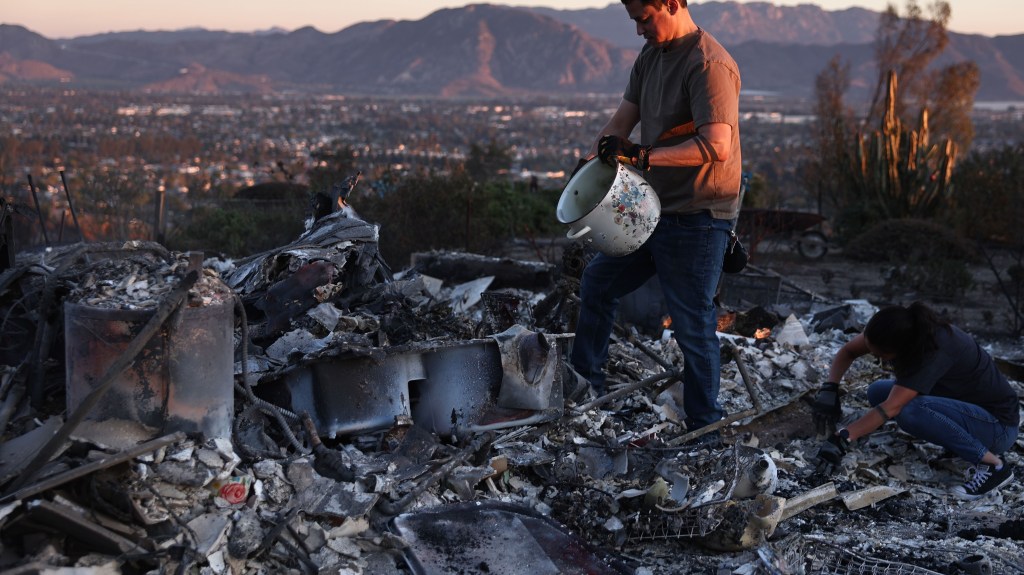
686, 252
963, 428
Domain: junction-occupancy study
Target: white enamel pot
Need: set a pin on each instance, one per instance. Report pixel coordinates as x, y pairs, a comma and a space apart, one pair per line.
611, 208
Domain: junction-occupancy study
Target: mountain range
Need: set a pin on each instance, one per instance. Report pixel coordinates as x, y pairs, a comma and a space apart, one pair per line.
481, 50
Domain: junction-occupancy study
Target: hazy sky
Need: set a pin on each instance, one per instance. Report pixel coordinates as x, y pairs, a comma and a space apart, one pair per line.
67, 18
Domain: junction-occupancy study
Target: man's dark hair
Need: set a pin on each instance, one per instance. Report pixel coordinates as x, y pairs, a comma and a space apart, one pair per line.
656, 3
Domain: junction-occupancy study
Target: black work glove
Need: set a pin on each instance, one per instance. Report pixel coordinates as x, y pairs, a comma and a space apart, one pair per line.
826, 408
612, 148
832, 450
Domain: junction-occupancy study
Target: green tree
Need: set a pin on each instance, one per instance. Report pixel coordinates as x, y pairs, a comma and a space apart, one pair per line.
427, 212
330, 164
487, 163
951, 101
906, 44
825, 174
989, 210
239, 228
881, 168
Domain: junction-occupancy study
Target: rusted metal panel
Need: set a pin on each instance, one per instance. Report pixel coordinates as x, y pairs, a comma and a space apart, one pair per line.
181, 381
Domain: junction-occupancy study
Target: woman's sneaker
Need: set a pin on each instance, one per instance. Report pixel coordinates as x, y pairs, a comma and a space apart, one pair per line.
984, 479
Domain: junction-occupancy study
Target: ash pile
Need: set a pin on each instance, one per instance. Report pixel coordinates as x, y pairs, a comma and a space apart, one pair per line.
306, 410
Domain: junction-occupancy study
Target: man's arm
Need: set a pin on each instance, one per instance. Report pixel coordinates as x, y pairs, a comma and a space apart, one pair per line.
711, 144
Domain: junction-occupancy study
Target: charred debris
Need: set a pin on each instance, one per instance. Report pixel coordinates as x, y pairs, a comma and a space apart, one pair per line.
307, 410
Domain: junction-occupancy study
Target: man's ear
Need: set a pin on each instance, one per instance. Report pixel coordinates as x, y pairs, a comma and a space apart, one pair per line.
672, 6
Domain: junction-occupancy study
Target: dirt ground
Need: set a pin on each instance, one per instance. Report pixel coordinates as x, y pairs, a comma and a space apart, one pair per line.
982, 310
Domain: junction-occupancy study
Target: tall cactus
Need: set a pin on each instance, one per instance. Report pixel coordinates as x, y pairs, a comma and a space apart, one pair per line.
901, 170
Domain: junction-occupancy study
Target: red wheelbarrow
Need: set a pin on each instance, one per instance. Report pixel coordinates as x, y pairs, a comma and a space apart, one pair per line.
757, 224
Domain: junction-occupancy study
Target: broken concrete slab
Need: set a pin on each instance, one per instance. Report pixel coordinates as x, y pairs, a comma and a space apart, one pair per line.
808, 499
868, 496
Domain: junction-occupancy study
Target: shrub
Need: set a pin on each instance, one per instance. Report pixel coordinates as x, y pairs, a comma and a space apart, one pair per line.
927, 257
431, 212
239, 230
900, 241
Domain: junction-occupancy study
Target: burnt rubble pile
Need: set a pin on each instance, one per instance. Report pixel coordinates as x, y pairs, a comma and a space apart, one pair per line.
306, 410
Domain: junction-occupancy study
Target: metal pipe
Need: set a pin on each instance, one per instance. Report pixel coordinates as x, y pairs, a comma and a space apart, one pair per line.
627, 390
71, 206
39, 211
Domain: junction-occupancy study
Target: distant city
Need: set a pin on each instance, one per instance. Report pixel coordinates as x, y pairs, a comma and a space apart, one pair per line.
191, 146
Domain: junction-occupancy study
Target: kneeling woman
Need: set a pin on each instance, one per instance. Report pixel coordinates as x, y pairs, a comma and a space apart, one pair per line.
947, 391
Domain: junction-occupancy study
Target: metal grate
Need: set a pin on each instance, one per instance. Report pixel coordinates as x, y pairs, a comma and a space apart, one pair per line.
795, 555
695, 522
700, 519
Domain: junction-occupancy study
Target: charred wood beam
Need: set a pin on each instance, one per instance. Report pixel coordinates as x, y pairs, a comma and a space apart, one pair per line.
13, 389
391, 509
71, 522
748, 382
633, 337
39, 211
41, 345
507, 273
683, 439
83, 470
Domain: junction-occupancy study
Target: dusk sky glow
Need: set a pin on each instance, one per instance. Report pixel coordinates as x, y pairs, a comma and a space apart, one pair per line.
70, 18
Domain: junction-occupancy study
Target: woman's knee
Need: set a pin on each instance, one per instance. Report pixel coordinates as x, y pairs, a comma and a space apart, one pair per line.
879, 391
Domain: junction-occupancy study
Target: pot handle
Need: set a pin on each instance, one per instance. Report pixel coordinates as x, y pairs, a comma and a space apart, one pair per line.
575, 236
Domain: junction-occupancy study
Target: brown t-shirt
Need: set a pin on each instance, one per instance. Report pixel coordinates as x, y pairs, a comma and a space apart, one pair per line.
693, 81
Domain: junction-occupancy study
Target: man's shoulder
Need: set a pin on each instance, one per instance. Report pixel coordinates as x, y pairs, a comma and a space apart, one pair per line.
713, 50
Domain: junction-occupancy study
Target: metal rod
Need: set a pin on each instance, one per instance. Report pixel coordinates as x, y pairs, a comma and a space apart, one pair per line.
158, 217
83, 470
71, 206
627, 390
741, 364
633, 337
39, 211
711, 427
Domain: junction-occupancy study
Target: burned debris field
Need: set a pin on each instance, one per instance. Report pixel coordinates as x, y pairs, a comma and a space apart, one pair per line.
310, 410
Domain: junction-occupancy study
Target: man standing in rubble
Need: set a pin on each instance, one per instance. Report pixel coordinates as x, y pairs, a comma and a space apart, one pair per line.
683, 91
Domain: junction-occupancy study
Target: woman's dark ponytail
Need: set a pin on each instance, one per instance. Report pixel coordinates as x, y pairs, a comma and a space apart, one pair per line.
906, 332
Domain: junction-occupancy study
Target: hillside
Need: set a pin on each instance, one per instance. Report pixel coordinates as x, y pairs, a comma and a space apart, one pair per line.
482, 50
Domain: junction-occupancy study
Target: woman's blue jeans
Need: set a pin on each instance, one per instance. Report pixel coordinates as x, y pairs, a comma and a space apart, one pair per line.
686, 252
963, 428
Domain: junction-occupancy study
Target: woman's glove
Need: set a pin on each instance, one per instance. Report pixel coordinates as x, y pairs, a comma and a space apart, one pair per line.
832, 450
826, 408
611, 148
